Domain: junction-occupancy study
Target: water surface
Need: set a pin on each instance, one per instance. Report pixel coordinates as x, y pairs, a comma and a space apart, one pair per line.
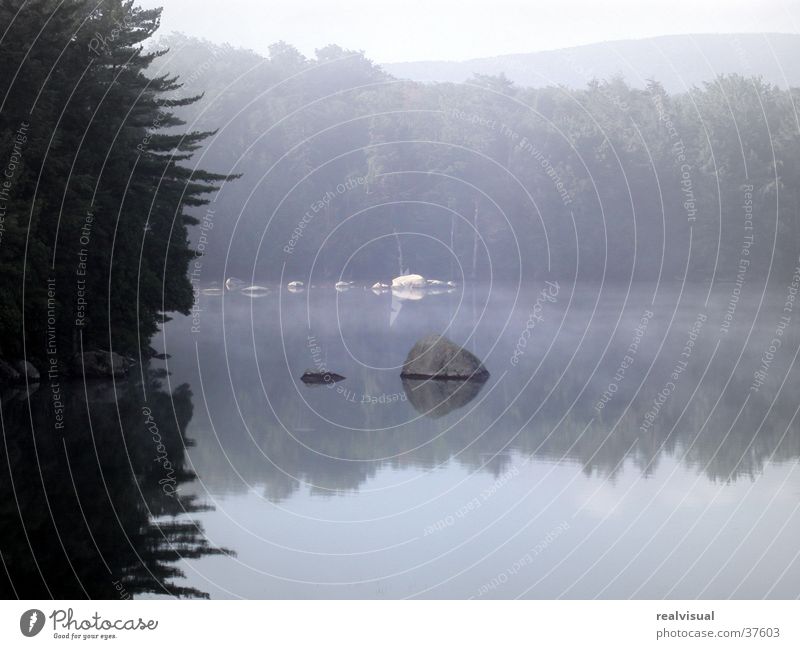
631, 442
679, 482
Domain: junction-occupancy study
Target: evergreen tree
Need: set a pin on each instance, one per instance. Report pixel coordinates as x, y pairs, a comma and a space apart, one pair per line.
97, 211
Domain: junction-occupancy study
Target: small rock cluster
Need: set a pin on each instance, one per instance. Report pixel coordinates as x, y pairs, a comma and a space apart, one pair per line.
91, 364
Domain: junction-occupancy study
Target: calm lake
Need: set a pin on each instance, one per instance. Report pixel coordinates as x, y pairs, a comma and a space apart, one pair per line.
632, 442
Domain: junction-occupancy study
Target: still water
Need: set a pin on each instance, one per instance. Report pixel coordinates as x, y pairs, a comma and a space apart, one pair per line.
632, 442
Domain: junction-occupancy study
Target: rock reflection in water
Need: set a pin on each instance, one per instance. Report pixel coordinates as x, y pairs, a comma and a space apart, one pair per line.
436, 399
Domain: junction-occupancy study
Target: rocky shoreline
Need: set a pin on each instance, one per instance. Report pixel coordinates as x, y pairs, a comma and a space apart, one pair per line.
94, 364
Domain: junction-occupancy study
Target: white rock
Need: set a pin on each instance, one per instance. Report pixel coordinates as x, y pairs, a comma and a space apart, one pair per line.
234, 283
409, 281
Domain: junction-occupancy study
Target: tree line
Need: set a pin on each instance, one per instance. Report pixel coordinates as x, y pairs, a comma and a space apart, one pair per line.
607, 181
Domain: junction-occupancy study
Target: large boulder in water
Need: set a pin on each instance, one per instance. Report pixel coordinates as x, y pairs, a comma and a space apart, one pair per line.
436, 357
409, 281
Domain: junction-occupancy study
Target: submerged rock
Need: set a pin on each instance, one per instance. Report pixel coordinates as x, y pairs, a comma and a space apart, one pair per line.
439, 290
8, 374
436, 357
318, 377
19, 392
24, 368
435, 399
99, 364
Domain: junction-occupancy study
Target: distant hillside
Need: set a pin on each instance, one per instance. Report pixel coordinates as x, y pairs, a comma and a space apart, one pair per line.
677, 62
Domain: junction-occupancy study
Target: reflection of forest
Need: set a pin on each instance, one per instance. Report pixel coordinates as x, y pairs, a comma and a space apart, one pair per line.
699, 424
88, 510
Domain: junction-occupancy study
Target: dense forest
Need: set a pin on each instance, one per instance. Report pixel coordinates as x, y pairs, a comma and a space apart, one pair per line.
342, 163
95, 185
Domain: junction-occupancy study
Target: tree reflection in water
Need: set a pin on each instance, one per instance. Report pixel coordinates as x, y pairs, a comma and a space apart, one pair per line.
90, 509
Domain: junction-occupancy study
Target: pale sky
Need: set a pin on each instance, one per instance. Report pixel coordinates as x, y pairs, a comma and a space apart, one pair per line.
412, 30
